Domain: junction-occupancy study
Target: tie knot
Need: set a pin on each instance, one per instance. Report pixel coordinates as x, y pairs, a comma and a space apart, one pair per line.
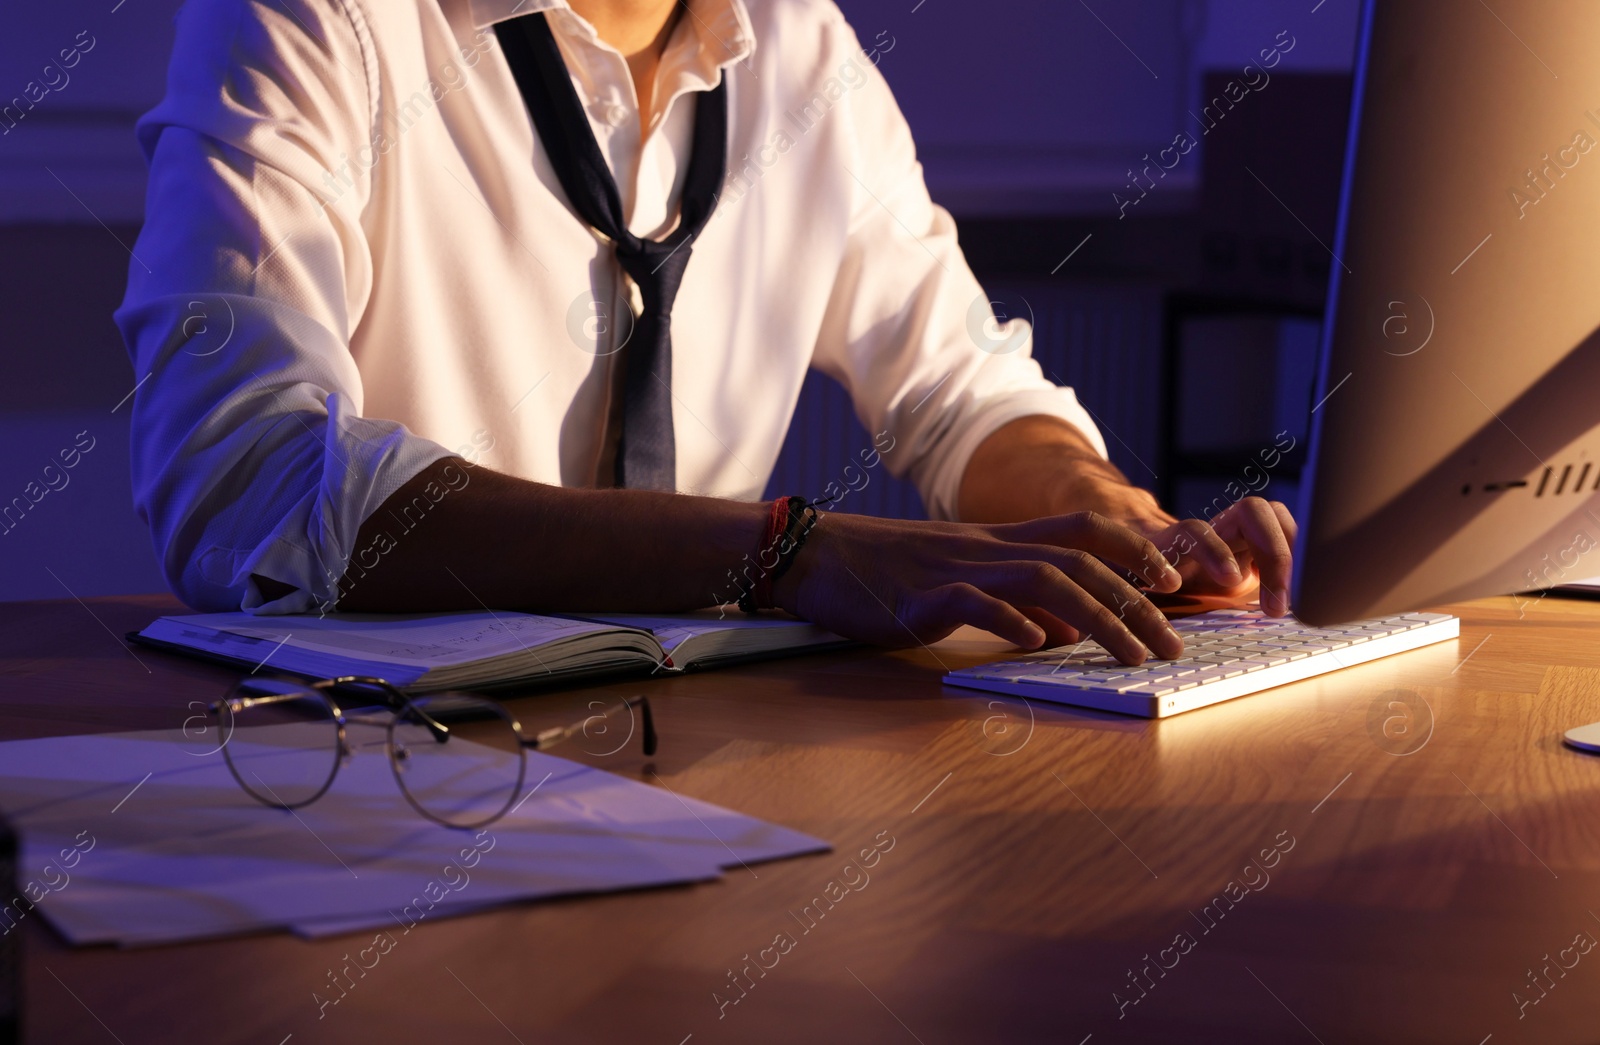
657, 268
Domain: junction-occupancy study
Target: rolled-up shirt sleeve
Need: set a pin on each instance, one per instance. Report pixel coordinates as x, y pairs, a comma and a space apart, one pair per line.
250, 456
908, 330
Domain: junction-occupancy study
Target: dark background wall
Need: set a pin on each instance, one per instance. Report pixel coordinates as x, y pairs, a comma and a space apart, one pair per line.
1029, 116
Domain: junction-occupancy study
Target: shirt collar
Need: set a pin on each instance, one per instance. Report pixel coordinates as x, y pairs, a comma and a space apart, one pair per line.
722, 27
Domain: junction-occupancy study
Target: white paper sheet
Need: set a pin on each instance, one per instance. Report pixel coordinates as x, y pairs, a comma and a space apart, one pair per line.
140, 838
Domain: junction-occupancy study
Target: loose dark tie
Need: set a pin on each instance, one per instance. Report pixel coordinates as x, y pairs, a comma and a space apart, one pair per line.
647, 450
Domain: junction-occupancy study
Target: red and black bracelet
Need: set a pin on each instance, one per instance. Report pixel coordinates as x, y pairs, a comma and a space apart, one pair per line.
789, 523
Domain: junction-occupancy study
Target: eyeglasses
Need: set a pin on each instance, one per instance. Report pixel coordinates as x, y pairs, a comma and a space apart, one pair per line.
459, 760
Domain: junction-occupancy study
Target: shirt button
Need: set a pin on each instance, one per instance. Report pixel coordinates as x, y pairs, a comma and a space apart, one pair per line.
615, 115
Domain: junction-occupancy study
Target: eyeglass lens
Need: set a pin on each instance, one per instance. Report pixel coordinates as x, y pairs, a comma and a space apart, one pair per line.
282, 747
466, 775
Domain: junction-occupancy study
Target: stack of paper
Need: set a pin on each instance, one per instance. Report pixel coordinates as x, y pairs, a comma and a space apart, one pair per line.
142, 838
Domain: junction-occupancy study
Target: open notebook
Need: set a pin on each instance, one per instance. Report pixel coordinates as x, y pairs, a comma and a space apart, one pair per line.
423, 652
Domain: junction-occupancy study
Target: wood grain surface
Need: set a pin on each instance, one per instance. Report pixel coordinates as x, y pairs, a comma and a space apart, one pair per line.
1393, 853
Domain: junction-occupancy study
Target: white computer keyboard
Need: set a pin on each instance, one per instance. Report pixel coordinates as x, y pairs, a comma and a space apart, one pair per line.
1226, 654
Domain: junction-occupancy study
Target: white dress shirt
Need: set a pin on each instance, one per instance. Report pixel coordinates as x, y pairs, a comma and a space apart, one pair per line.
357, 260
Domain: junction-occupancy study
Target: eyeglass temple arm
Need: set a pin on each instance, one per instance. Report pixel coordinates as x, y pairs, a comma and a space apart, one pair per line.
548, 738
244, 703
437, 729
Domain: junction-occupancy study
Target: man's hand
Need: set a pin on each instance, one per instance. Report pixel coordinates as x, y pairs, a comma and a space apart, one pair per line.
1248, 544
1046, 582
1044, 466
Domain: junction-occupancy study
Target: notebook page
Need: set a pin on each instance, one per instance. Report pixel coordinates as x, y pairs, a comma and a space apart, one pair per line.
419, 641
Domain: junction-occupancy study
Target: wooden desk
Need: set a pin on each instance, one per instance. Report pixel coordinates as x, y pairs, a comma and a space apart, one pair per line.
1039, 854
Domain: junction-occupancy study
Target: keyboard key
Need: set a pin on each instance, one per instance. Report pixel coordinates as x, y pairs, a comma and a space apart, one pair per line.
1152, 689
1092, 685
1007, 670
1162, 686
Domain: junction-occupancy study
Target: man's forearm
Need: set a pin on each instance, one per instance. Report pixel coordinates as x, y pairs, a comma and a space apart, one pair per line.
460, 538
1039, 466
476, 538
463, 537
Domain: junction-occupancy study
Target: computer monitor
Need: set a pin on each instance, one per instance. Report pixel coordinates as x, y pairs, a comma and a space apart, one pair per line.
1455, 442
